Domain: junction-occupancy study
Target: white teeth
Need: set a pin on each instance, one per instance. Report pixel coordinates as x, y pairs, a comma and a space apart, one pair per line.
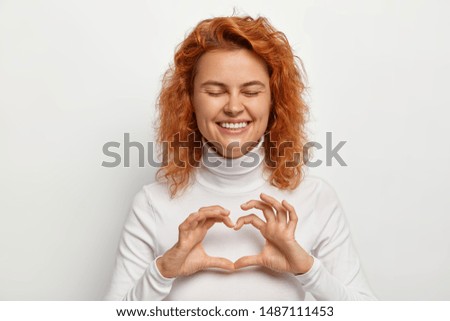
234, 125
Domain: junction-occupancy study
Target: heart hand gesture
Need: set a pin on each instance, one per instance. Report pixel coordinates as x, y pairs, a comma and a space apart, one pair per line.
188, 256
281, 251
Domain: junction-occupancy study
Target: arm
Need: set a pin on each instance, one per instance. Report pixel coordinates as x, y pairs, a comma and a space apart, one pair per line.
332, 272
139, 275
136, 276
336, 273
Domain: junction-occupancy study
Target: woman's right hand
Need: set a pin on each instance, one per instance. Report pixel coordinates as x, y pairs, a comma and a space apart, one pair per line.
187, 256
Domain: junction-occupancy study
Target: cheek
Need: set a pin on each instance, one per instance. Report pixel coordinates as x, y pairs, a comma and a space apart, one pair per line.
262, 115
199, 110
261, 110
206, 109
202, 117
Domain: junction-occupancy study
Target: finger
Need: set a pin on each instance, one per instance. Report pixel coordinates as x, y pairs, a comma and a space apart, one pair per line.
211, 221
219, 262
247, 261
228, 222
193, 225
252, 219
264, 207
186, 224
281, 211
212, 207
293, 218
207, 214
202, 222
192, 220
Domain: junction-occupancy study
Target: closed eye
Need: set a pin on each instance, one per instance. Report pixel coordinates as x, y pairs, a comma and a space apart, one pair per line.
214, 94
251, 93
246, 93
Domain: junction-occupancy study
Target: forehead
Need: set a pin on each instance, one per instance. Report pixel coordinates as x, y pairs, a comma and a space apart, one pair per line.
232, 65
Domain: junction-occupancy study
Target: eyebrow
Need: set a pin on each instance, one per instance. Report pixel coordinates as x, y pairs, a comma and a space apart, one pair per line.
221, 84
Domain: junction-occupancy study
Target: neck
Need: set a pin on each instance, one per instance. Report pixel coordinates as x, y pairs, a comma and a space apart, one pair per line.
232, 175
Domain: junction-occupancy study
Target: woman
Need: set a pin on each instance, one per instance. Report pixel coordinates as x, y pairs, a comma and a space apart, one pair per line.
231, 216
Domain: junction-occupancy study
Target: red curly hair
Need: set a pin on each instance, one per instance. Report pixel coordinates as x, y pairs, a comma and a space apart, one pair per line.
288, 115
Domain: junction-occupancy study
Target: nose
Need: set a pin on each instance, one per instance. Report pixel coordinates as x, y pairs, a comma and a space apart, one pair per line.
234, 106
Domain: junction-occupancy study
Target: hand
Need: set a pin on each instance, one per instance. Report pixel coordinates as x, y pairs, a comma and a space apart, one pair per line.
281, 251
187, 256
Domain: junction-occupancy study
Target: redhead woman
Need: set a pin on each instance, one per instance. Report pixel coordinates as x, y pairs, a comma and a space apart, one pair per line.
232, 215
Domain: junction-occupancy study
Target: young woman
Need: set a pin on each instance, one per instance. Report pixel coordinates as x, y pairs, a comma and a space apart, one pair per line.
232, 216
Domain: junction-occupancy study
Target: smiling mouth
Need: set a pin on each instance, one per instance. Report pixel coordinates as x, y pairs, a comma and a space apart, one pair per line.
234, 126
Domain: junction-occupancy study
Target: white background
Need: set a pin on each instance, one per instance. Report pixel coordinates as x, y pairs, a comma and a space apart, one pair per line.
77, 74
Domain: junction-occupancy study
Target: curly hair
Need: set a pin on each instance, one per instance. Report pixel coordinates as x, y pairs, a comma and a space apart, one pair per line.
285, 133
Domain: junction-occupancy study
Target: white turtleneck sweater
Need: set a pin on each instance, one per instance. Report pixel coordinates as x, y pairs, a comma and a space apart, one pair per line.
152, 228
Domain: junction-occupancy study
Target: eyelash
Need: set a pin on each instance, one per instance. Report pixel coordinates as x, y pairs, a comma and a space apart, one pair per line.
214, 94
248, 94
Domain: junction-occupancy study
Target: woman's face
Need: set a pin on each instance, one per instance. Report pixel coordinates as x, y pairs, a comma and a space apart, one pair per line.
231, 99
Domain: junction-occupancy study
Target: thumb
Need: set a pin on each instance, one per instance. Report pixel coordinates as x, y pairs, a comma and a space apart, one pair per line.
247, 261
219, 262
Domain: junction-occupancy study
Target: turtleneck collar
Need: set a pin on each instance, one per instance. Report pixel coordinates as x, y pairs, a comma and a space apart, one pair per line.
232, 175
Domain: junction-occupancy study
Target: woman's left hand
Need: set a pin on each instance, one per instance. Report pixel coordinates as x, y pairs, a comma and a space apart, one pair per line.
281, 252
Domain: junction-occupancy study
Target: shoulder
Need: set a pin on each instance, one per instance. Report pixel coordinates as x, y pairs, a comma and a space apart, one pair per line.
144, 200
321, 198
321, 188
153, 191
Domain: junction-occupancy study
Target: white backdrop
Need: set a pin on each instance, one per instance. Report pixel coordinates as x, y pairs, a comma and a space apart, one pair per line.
75, 75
